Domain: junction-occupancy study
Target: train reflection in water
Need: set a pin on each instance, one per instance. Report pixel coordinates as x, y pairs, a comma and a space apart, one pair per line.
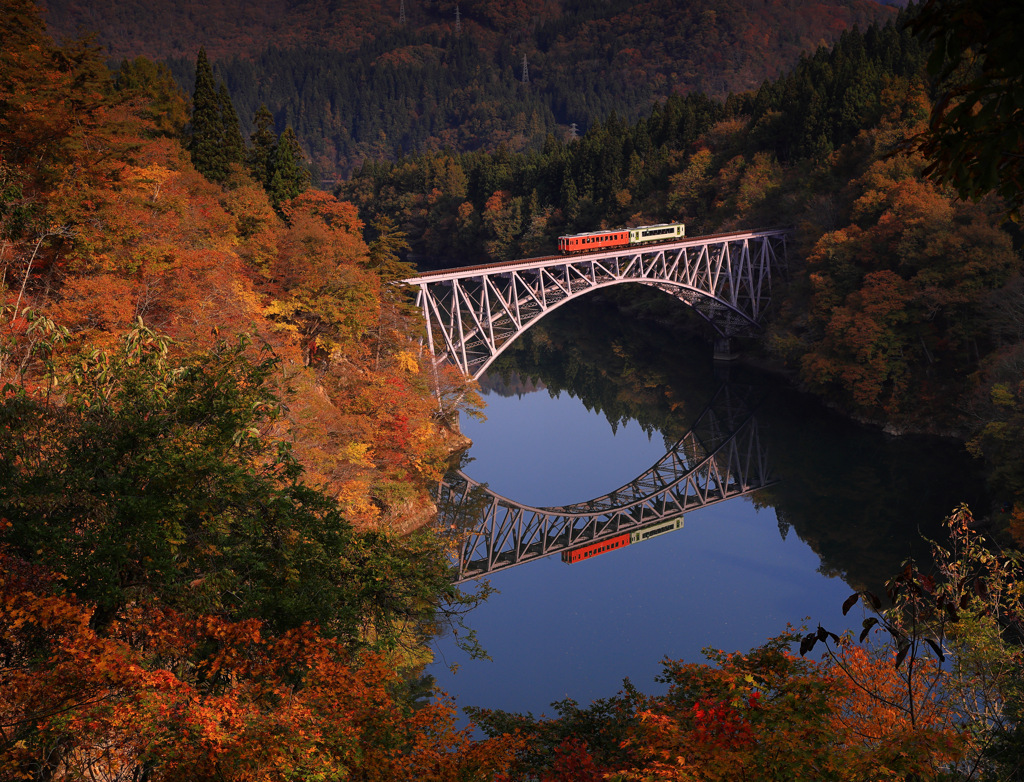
620, 541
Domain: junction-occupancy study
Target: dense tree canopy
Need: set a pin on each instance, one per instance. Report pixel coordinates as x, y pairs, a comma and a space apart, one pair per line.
356, 85
204, 472
215, 419
975, 140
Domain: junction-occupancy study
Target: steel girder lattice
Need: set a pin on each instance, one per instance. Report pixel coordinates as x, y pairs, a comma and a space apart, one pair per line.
720, 457
472, 313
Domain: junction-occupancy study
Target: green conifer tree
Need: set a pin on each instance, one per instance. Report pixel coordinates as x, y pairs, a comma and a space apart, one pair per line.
207, 142
386, 249
165, 103
263, 146
290, 176
234, 144
570, 198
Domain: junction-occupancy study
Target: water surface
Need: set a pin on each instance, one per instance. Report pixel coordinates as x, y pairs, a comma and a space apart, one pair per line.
849, 505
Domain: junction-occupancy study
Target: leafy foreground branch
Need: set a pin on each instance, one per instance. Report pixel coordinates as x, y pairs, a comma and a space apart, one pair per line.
956, 635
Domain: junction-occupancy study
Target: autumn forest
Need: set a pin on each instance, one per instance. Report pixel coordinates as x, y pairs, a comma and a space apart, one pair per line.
219, 431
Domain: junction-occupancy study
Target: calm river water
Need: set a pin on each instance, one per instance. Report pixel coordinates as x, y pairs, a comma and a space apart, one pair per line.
589, 400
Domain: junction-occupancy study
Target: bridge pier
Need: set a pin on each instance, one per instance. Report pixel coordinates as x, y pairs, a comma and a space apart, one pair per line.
725, 349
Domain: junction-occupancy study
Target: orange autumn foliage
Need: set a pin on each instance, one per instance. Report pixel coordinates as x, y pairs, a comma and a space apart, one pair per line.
766, 714
772, 715
899, 296
179, 698
891, 712
120, 226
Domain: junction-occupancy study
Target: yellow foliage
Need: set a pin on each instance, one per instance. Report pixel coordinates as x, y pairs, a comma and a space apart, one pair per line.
357, 506
407, 362
1002, 395
279, 311
357, 453
148, 180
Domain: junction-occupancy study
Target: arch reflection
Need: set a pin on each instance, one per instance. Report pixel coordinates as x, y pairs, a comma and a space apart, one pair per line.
720, 457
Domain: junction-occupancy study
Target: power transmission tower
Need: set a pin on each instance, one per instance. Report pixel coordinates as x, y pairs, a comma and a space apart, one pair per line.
401, 13
526, 71
458, 20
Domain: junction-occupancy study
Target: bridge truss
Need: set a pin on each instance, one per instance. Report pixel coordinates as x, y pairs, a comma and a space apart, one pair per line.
473, 313
719, 458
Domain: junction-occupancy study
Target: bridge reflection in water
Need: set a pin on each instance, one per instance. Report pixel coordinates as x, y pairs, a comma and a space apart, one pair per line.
720, 457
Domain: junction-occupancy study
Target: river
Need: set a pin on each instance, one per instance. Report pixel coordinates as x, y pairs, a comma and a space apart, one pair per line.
590, 399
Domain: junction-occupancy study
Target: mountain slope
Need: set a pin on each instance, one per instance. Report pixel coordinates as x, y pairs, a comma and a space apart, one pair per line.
356, 84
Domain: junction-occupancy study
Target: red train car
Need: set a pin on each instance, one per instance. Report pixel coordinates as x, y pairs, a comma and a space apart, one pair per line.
597, 240
621, 237
586, 552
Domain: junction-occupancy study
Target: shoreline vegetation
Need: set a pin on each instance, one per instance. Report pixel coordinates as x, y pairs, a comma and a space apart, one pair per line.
215, 411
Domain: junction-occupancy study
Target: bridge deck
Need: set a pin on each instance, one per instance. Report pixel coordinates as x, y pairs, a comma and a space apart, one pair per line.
461, 272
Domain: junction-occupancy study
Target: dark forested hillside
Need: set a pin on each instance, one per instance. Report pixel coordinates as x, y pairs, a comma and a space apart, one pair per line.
216, 417
709, 162
902, 292
356, 84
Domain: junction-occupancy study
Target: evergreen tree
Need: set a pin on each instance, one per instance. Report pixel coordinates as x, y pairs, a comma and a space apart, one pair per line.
263, 146
234, 144
165, 103
207, 143
386, 249
290, 176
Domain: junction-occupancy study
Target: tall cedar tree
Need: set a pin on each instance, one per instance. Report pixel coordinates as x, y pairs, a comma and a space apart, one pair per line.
216, 141
263, 146
290, 176
206, 144
234, 144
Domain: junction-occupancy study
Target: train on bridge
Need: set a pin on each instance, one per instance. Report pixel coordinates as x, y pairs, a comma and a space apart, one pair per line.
620, 237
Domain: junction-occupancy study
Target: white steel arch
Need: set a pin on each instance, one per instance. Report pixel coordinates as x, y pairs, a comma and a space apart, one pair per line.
472, 313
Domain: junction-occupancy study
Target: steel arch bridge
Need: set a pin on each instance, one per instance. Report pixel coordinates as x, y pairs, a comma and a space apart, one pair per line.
719, 458
473, 313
